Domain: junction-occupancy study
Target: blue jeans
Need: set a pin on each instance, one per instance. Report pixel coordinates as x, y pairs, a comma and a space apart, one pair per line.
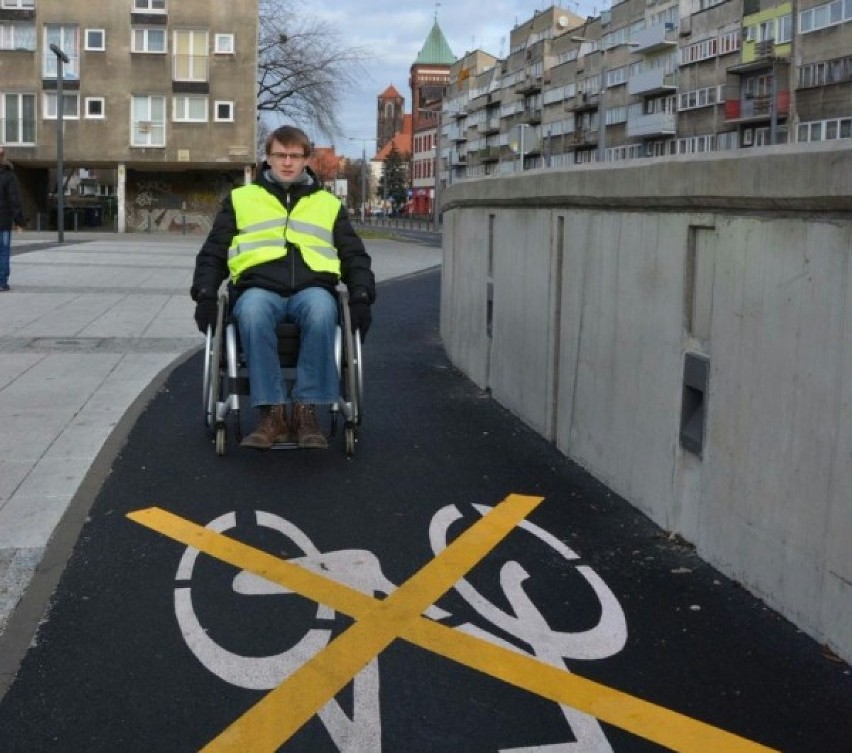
258, 312
5, 250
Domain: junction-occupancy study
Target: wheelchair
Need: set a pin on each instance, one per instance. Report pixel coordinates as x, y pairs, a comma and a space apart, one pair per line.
226, 377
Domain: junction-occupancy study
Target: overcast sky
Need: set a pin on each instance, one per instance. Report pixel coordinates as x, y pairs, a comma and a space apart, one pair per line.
394, 31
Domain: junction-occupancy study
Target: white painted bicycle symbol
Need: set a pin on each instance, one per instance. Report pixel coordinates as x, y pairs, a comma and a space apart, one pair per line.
361, 570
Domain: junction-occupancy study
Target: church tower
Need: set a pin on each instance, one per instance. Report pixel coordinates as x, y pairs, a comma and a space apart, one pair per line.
430, 76
389, 117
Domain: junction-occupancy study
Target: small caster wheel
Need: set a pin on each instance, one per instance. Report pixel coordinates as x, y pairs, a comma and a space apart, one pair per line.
349, 436
220, 440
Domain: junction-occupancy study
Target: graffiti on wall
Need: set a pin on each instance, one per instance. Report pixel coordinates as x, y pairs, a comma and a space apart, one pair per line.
176, 202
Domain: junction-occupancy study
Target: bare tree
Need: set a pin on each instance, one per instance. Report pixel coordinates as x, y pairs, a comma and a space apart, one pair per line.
304, 67
263, 131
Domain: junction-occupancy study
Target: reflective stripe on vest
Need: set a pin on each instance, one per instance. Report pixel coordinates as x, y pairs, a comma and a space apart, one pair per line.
264, 228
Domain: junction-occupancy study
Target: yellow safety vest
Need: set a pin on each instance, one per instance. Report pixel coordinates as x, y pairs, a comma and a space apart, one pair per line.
264, 228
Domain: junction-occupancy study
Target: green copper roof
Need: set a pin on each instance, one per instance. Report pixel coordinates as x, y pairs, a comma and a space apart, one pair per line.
435, 50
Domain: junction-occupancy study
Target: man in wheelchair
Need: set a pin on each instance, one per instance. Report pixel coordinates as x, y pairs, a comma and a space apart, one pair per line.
285, 242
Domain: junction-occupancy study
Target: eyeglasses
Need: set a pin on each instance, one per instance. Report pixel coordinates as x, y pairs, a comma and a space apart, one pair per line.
288, 155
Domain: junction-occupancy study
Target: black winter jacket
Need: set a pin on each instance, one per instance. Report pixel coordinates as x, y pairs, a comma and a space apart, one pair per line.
11, 208
290, 274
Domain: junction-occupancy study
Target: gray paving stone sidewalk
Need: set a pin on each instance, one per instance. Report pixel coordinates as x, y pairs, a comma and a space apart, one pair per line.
87, 328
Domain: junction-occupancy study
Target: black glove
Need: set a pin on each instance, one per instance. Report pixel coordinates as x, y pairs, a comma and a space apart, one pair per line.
205, 314
360, 316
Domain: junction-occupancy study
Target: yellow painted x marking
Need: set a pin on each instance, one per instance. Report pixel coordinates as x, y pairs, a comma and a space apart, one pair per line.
279, 714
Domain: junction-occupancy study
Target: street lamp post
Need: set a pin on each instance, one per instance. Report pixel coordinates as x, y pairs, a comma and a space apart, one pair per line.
61, 59
438, 141
363, 179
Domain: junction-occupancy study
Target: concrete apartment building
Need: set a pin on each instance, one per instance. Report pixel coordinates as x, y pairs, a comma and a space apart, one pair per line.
159, 107
665, 77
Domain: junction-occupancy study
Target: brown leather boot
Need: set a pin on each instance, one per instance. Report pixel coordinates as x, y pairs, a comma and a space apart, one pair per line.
308, 431
272, 424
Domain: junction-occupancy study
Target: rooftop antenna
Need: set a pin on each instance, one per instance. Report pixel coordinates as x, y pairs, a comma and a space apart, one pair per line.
437, 5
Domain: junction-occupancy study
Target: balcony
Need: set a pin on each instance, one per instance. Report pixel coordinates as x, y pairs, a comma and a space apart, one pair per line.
489, 126
531, 115
657, 124
584, 137
530, 85
756, 108
489, 154
492, 99
654, 38
767, 60
764, 50
458, 160
656, 81
583, 101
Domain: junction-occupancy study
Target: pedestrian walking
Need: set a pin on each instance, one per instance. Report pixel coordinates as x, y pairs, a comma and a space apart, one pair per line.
11, 215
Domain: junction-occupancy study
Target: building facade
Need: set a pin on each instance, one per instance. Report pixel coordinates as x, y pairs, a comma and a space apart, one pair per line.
429, 80
651, 78
159, 103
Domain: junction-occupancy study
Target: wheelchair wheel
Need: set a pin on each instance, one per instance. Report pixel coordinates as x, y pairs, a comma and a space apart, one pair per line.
205, 381
359, 377
213, 368
349, 373
221, 439
349, 366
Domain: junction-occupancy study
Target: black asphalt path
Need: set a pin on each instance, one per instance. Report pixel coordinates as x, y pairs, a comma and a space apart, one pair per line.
109, 670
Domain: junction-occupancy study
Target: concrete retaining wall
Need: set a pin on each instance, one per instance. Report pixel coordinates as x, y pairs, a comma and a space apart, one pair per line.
577, 296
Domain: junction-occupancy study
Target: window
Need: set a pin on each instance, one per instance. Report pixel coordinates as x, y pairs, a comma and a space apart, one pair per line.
691, 100
729, 42
727, 140
71, 109
189, 108
821, 130
785, 29
812, 75
148, 120
702, 50
616, 115
147, 39
150, 6
616, 76
190, 55
17, 36
64, 37
22, 4
95, 40
223, 112
95, 108
828, 14
223, 44
17, 118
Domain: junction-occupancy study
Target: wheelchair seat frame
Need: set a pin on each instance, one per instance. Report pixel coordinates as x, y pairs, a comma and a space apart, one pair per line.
226, 379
